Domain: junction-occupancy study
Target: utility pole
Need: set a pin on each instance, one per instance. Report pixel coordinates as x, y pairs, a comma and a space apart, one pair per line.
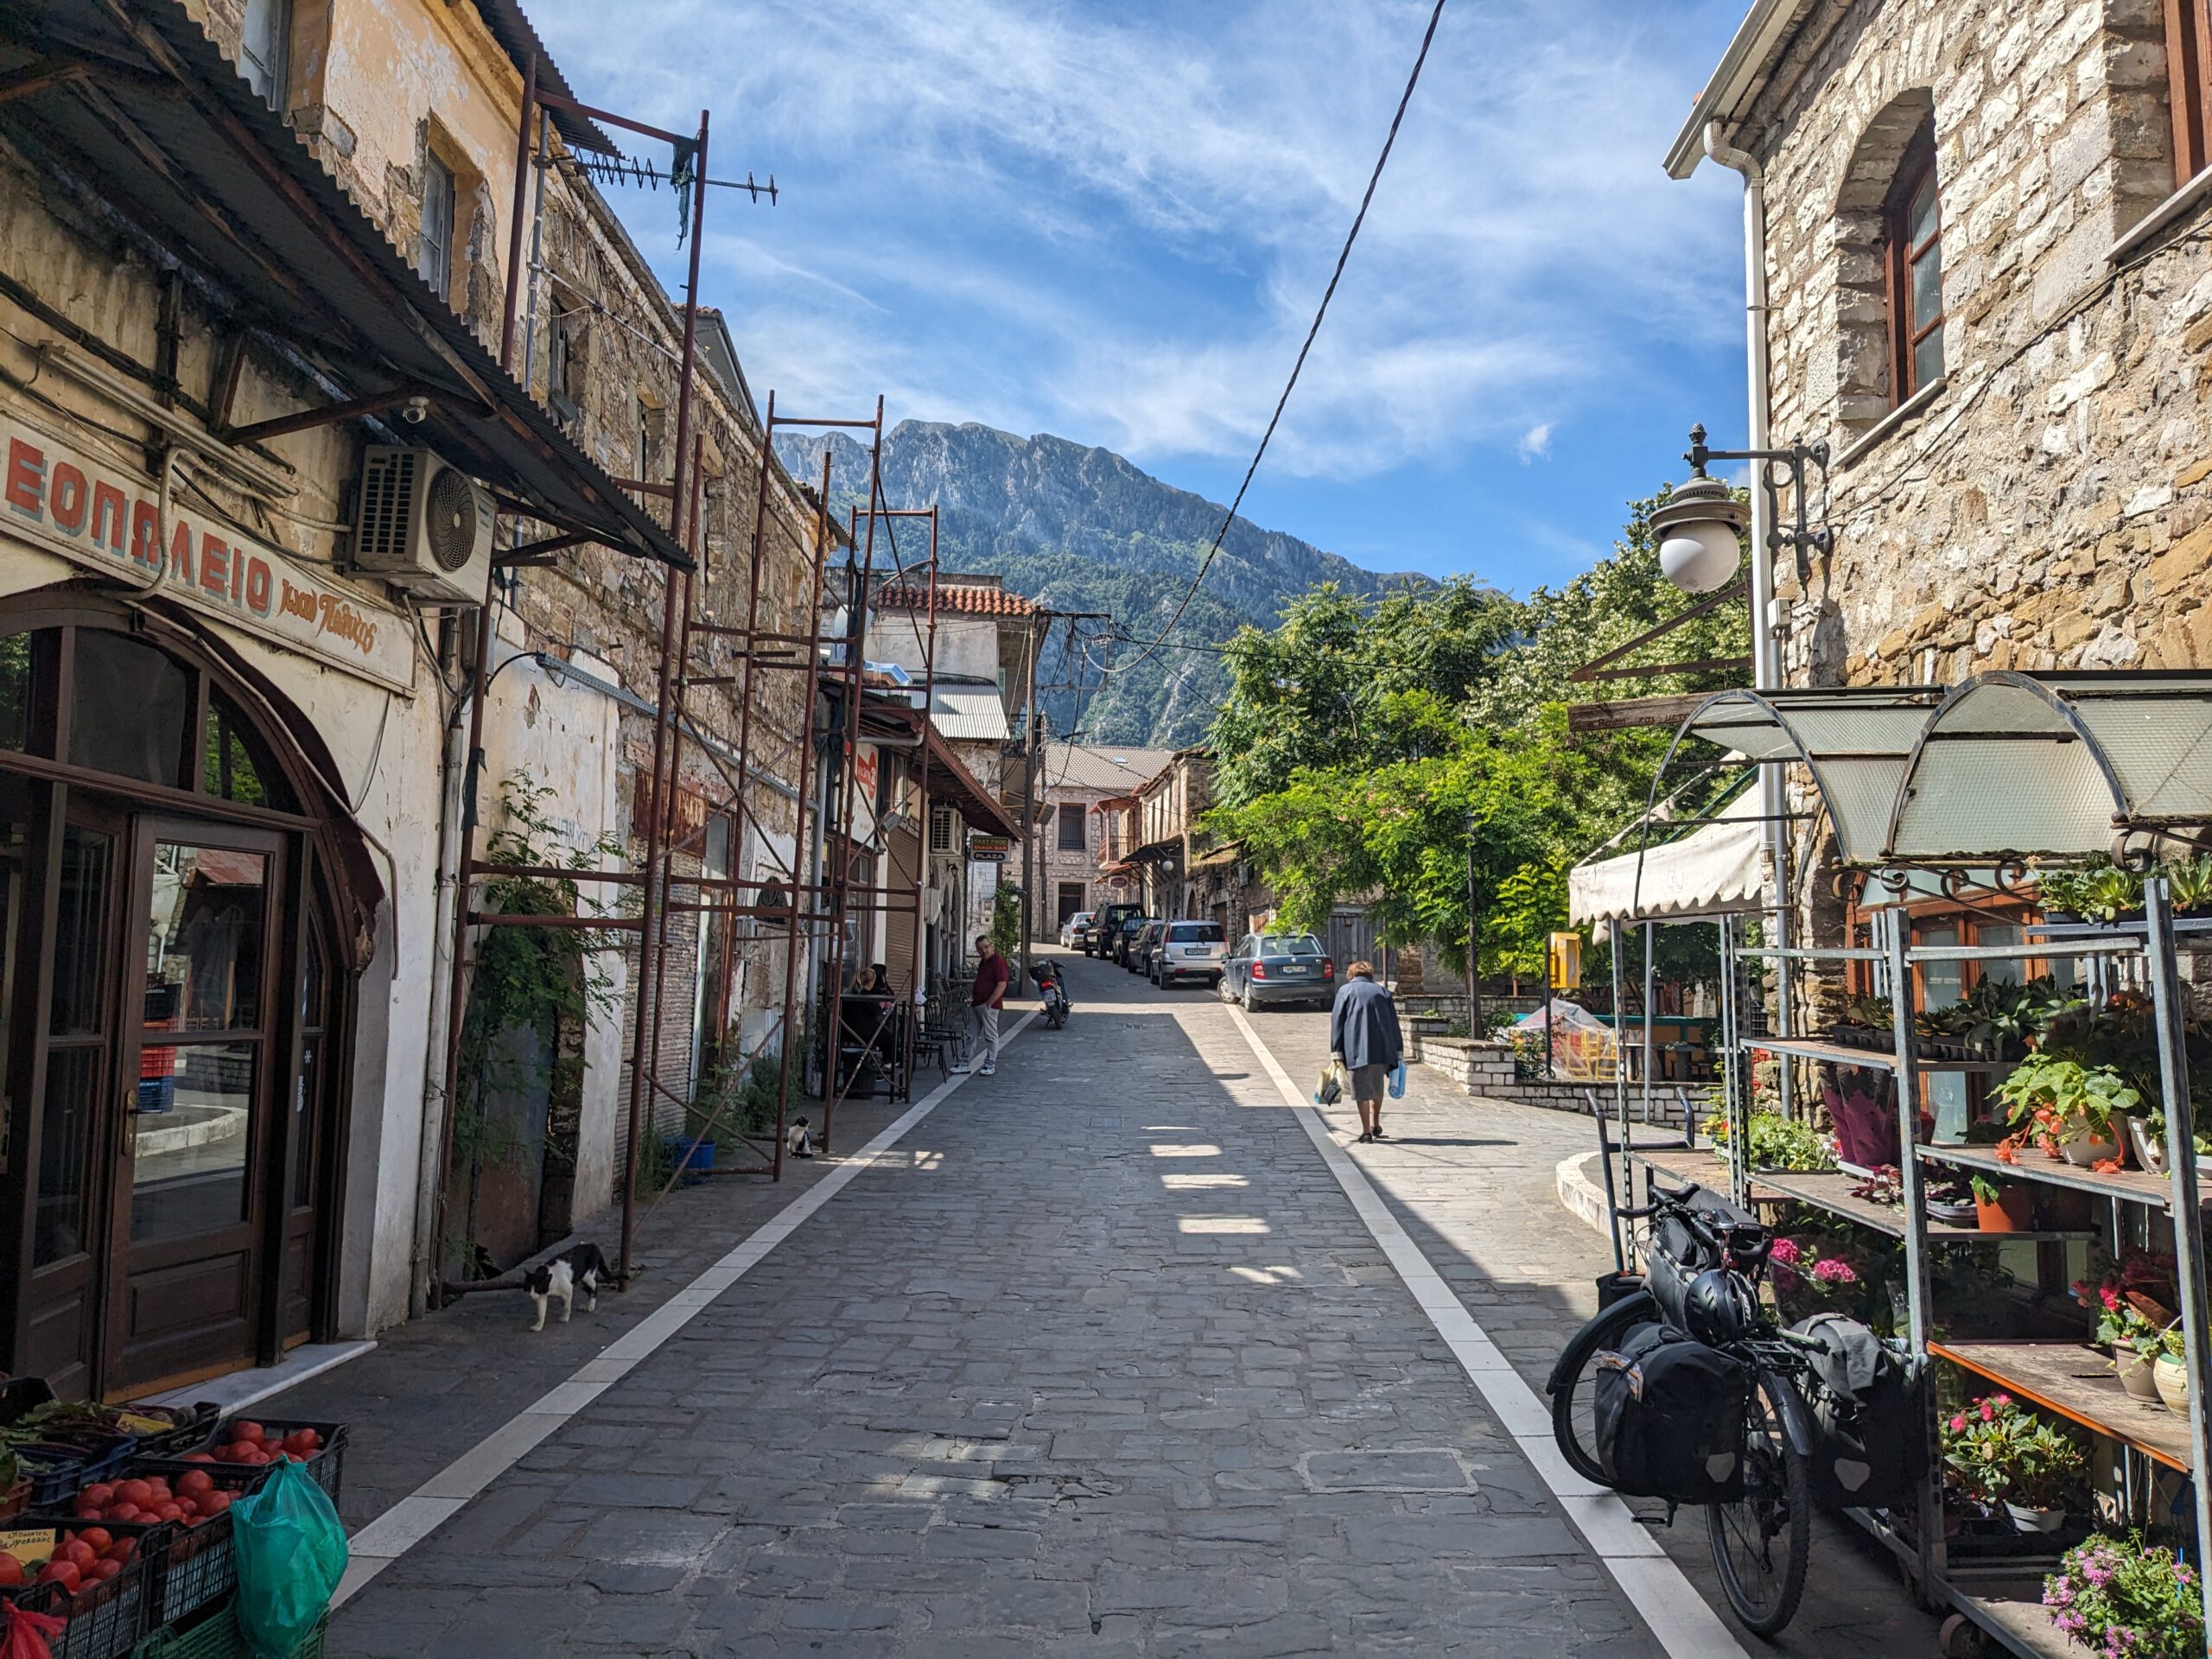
1474, 987
1040, 628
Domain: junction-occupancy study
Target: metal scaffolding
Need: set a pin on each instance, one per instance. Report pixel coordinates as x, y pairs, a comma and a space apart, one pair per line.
800, 900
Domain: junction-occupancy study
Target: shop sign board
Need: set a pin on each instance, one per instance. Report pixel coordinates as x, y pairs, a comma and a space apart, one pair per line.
107, 518
989, 849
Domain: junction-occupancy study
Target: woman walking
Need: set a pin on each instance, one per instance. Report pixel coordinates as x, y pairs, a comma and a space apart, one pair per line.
1364, 1038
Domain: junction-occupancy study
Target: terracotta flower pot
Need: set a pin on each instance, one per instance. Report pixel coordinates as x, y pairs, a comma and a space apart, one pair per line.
2013, 1212
2137, 1375
2172, 1379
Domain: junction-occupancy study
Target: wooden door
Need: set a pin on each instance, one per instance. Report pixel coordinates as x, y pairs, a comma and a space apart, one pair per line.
76, 1124
186, 1237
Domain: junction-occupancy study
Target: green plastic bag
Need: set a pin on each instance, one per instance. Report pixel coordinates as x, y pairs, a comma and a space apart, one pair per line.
291, 1553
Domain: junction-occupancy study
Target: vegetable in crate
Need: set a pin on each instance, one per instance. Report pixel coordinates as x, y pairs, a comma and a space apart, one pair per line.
291, 1553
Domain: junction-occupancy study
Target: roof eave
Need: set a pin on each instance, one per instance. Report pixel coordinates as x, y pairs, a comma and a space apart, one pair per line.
1739, 68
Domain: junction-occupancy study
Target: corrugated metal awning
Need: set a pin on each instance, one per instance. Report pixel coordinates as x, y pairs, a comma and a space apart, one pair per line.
969, 713
164, 126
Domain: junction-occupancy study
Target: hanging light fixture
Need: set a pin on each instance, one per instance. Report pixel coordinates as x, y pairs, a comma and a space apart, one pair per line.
1700, 528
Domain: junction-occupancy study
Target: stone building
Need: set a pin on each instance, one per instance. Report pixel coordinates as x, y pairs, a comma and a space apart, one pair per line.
1074, 780
1982, 244
234, 761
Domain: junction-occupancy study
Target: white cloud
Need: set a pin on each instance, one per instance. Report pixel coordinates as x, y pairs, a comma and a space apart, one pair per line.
1113, 220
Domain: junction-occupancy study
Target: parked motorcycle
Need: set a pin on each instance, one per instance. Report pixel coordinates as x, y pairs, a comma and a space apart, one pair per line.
1054, 991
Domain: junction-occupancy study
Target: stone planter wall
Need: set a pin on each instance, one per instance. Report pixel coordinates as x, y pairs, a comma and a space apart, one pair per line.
1486, 1068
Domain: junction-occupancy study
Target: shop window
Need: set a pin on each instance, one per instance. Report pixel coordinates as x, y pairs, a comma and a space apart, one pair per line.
434, 251
2189, 57
234, 765
265, 48
25, 661
76, 1049
1073, 823
1914, 233
131, 705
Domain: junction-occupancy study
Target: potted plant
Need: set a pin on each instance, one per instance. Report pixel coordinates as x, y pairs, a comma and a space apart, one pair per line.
2000, 1454
2080, 1109
2003, 1207
1951, 1203
2118, 1595
2190, 881
1784, 1145
2170, 1372
2131, 1334
1868, 1023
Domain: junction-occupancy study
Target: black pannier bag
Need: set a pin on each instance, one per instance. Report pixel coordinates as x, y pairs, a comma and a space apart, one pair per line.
1670, 1418
1869, 1424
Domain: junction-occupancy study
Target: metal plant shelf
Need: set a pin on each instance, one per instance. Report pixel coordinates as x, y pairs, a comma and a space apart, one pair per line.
2078, 1382
2133, 1185
1879, 1059
1831, 1191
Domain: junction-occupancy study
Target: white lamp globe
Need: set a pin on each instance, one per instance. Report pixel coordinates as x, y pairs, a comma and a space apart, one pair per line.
1699, 556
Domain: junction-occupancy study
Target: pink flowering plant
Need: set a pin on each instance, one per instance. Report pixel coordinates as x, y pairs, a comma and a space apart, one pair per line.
2132, 1302
1998, 1453
2118, 1599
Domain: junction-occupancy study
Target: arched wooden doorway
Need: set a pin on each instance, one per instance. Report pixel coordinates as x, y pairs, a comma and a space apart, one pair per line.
175, 1002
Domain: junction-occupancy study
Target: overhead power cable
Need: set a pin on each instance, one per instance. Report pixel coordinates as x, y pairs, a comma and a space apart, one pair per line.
1335, 277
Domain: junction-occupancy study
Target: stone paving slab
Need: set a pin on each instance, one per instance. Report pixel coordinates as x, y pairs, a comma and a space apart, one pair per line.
1098, 1360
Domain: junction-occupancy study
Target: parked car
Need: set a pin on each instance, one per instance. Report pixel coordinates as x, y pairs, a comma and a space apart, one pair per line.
1186, 950
1138, 951
1125, 935
1072, 930
1267, 970
1098, 938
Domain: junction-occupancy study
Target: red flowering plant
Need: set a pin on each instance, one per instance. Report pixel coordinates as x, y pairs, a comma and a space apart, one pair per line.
2133, 1301
1995, 1452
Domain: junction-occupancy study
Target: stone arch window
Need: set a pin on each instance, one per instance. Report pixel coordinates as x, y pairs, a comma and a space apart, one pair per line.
1888, 333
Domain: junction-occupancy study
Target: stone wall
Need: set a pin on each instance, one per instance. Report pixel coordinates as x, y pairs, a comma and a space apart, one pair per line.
2046, 505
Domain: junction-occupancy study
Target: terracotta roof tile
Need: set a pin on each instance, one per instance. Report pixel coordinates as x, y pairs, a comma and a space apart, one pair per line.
967, 602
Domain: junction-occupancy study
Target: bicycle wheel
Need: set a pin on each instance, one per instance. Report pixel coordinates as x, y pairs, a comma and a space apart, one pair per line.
1574, 1417
1761, 1542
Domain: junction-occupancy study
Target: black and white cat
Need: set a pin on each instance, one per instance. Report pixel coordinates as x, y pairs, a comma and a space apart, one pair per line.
580, 1269
798, 1140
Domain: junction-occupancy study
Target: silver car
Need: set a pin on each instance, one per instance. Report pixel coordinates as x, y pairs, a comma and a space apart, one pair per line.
1071, 929
1268, 970
1188, 950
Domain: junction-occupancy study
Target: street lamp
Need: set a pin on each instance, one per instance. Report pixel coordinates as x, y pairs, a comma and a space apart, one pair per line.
1700, 524
1474, 990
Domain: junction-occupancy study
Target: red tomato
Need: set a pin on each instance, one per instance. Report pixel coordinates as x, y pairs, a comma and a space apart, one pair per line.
98, 1537
99, 1494
252, 1432
169, 1512
193, 1485
254, 1459
202, 1457
135, 1491
11, 1572
305, 1442
106, 1570
75, 1551
125, 1549
125, 1512
85, 1512
161, 1487
62, 1573
214, 1503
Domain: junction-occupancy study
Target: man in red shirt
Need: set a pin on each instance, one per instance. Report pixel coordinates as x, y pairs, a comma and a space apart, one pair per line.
987, 998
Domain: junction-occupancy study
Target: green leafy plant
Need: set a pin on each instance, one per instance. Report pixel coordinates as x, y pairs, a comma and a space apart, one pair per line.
2062, 1098
2121, 1596
1776, 1142
1878, 1012
1986, 1190
1998, 1453
1006, 920
2190, 879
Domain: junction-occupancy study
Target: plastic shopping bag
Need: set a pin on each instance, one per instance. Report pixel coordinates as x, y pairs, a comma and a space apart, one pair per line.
291, 1553
26, 1632
1398, 1081
1331, 1090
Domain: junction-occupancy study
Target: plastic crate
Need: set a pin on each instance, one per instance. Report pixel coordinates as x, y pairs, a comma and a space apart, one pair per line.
104, 1620
327, 1466
57, 1473
16, 1499
194, 1428
217, 1636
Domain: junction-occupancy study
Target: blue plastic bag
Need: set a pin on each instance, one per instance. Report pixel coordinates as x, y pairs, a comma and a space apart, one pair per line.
291, 1553
1398, 1081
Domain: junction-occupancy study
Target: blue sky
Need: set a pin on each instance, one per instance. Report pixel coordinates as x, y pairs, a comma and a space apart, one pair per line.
1111, 219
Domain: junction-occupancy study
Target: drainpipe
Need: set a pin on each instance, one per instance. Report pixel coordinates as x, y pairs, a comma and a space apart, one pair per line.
431, 1175
1766, 655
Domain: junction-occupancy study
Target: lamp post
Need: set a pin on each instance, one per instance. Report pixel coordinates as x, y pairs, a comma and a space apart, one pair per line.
1474, 988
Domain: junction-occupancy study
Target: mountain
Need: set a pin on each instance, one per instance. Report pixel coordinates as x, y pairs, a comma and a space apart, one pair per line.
1081, 529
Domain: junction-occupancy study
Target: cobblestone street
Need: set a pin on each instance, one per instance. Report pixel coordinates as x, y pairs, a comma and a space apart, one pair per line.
1097, 1359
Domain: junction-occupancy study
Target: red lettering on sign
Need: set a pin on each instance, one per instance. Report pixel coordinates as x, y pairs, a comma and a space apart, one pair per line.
257, 584
146, 532
181, 551
107, 518
68, 499
25, 489
214, 565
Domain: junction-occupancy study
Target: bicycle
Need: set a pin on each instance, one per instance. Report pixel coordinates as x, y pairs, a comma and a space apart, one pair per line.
1761, 1541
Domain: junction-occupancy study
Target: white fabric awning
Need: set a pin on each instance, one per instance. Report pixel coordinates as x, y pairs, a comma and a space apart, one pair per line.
1715, 870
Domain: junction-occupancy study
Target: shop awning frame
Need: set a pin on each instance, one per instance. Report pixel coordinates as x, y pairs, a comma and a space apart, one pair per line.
161, 125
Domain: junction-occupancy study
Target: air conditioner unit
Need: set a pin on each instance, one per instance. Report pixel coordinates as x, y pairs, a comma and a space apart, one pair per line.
945, 833
424, 525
